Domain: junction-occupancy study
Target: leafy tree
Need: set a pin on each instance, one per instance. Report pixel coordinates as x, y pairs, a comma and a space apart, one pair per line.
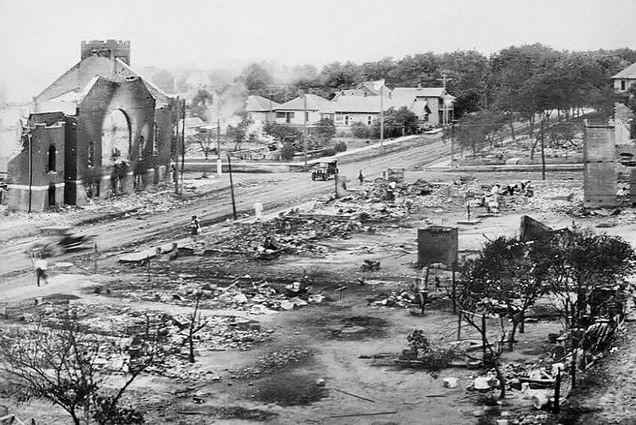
200, 103
255, 77
581, 263
341, 76
507, 278
283, 132
397, 123
324, 130
240, 133
360, 130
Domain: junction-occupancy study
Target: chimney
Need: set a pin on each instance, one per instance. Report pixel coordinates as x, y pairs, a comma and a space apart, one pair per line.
113, 49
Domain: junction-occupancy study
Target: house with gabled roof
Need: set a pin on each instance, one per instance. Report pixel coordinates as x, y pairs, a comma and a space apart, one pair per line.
97, 130
308, 108
432, 105
259, 108
625, 79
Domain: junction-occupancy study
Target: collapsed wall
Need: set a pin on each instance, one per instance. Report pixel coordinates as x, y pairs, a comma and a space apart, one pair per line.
599, 167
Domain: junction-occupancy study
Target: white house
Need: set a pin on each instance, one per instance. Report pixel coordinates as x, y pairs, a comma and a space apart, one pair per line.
308, 108
260, 109
625, 79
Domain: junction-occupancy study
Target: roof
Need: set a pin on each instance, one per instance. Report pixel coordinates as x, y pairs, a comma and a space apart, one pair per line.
194, 122
419, 91
74, 82
358, 104
259, 103
629, 72
314, 103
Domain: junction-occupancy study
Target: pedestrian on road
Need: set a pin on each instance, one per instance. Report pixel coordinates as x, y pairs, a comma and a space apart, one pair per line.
361, 178
195, 226
41, 267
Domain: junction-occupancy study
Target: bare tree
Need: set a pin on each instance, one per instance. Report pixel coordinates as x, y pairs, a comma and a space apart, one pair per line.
62, 365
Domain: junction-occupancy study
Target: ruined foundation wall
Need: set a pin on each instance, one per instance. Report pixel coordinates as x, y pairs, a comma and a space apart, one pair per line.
599, 169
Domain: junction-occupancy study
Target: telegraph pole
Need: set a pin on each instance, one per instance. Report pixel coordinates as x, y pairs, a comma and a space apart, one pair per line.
444, 79
183, 105
305, 132
452, 152
30, 139
218, 138
229, 166
542, 151
381, 116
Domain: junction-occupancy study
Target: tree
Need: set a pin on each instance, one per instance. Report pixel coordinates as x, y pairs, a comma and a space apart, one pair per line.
61, 365
240, 133
397, 123
507, 278
205, 142
581, 263
339, 76
255, 77
200, 102
324, 130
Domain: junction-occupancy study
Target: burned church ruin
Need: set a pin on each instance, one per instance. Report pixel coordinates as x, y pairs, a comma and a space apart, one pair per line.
97, 131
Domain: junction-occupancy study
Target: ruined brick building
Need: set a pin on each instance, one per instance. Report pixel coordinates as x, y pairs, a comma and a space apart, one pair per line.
98, 130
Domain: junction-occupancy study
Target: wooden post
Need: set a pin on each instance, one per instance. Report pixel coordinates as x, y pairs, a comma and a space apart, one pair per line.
229, 166
542, 151
573, 368
428, 268
459, 326
454, 295
95, 258
483, 337
183, 146
557, 392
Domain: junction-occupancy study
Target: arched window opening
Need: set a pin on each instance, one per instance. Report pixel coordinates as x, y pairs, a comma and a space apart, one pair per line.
142, 142
52, 153
155, 139
115, 138
91, 153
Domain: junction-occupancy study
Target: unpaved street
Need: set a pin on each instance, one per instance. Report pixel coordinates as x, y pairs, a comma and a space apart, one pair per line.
274, 190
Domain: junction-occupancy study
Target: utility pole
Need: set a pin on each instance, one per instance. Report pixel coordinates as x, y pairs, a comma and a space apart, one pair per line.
542, 151
444, 79
218, 138
306, 135
229, 166
183, 108
381, 116
271, 111
452, 146
30, 139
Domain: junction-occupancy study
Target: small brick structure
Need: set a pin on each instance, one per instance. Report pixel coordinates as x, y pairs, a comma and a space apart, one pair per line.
437, 244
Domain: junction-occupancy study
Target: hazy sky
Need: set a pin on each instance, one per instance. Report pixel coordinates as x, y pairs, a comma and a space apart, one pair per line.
41, 38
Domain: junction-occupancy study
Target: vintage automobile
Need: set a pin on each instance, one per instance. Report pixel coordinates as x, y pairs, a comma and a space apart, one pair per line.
59, 240
324, 170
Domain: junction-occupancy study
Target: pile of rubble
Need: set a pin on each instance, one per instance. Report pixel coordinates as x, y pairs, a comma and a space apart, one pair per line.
290, 232
243, 294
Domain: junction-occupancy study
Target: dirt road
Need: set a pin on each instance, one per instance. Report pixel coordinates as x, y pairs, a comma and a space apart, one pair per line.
276, 190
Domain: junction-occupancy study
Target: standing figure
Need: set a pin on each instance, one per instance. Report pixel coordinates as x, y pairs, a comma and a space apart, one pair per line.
41, 267
195, 226
361, 178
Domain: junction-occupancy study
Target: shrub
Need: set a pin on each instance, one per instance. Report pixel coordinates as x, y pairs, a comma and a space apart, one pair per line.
287, 151
328, 152
340, 146
360, 130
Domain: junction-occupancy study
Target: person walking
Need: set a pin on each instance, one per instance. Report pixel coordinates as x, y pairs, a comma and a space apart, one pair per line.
361, 178
195, 227
41, 267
